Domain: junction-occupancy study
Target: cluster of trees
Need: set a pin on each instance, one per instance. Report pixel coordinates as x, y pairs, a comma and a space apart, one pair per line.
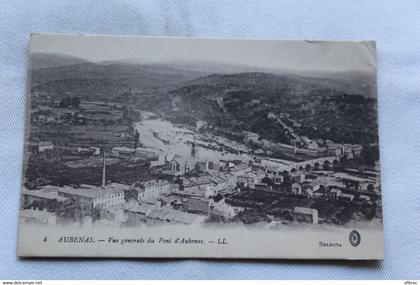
370, 154
136, 139
70, 102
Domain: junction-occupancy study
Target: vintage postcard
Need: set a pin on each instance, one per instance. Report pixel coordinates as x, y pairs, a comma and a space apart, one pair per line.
200, 148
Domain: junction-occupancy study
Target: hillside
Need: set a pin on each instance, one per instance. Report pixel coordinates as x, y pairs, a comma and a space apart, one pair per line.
243, 102
339, 107
109, 81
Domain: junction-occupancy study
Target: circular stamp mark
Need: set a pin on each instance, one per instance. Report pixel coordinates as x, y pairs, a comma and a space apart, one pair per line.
354, 238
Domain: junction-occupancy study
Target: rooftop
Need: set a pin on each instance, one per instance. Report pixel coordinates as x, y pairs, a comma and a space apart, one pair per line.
190, 192
168, 214
35, 214
155, 182
142, 208
351, 177
252, 174
123, 148
306, 211
167, 199
241, 166
193, 181
117, 186
45, 193
90, 191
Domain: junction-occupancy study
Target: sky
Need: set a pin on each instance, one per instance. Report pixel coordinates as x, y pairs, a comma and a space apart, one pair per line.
266, 54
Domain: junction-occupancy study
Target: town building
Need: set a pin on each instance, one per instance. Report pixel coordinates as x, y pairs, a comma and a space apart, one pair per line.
169, 215
200, 124
167, 200
45, 198
45, 146
263, 187
132, 153
250, 178
224, 182
311, 187
251, 137
179, 165
50, 119
298, 177
202, 186
296, 189
246, 181
204, 166
240, 169
137, 213
82, 150
255, 102
335, 193
347, 197
153, 189
87, 197
308, 192
335, 150
278, 179
95, 150
111, 215
227, 164
224, 210
312, 145
352, 181
123, 152
307, 215
364, 197
352, 151
146, 153
38, 217
198, 205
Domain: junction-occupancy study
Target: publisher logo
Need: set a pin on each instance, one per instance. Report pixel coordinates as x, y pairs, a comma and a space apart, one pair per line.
354, 238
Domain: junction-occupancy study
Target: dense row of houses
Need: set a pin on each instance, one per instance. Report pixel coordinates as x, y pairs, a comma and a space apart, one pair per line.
300, 145
47, 146
191, 197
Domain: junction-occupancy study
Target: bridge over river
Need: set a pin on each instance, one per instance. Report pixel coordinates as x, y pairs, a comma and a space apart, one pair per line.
322, 163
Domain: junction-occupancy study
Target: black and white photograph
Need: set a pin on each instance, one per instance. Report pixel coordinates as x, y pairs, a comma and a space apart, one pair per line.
188, 147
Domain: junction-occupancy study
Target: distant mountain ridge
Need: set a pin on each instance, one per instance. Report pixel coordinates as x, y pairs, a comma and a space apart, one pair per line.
240, 100
351, 82
50, 60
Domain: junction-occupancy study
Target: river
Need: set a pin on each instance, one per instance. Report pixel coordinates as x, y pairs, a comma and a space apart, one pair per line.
168, 138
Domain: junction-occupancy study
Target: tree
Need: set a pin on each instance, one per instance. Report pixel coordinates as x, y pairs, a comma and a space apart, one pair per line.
68, 101
136, 139
65, 102
75, 102
66, 211
370, 154
267, 180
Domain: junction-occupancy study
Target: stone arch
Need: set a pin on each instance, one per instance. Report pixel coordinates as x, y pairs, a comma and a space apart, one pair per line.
293, 170
335, 163
301, 168
326, 165
308, 167
317, 166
